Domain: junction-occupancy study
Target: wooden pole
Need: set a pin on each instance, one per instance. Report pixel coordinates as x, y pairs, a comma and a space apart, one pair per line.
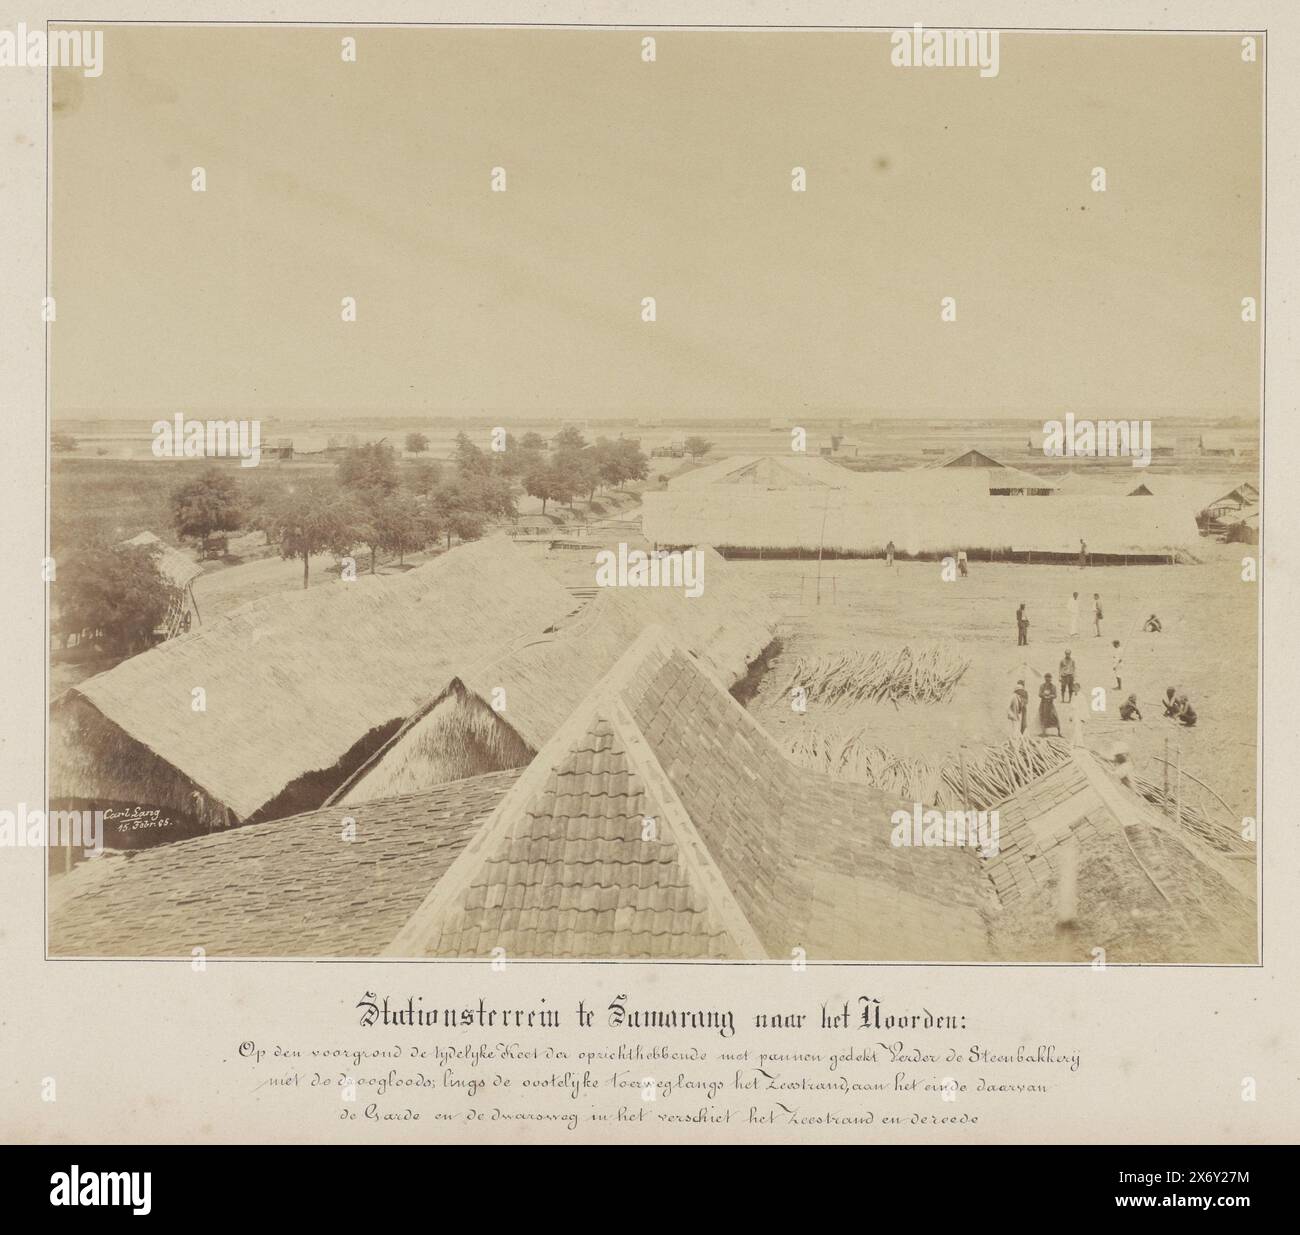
1178, 792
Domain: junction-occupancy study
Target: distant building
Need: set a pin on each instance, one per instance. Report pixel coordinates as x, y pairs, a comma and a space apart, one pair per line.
1218, 445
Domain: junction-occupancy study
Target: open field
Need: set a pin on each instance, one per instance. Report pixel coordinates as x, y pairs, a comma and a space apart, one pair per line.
1207, 649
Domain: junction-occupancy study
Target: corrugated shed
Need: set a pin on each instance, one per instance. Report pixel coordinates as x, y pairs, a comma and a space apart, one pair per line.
294, 681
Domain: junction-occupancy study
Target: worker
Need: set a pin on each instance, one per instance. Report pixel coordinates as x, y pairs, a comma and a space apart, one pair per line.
1184, 712
1152, 625
1096, 612
1067, 671
889, 554
1047, 717
1117, 663
1128, 710
1072, 612
1022, 626
963, 568
1083, 553
1171, 702
1018, 710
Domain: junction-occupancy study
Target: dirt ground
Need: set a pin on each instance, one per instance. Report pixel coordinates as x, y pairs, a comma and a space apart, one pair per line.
1207, 649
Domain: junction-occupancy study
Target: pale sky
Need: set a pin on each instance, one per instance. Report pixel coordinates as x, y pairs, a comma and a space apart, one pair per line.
672, 180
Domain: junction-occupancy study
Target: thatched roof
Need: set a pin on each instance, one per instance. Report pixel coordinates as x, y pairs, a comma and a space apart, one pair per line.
844, 521
750, 855
294, 887
727, 628
176, 567
294, 681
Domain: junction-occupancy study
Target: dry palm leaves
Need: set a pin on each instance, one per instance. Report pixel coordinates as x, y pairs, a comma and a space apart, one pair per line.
928, 675
993, 773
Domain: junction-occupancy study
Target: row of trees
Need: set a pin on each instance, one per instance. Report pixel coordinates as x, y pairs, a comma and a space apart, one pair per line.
370, 503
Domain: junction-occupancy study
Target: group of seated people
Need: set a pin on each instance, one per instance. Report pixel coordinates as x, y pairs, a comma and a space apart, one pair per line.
1177, 707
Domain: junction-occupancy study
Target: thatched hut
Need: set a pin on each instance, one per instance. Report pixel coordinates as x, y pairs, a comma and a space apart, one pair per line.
266, 710
498, 713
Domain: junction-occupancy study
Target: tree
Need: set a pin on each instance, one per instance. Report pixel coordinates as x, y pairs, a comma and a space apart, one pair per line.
539, 482
570, 439
470, 460
563, 478
372, 468
423, 477
399, 526
313, 518
115, 591
416, 443
620, 461
532, 441
633, 462
490, 496
210, 503
581, 472
456, 513
698, 447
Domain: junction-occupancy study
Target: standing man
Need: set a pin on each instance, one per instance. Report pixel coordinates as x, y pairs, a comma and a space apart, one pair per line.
963, 567
1072, 611
1096, 612
1117, 663
1083, 553
1017, 712
889, 554
1022, 626
1067, 677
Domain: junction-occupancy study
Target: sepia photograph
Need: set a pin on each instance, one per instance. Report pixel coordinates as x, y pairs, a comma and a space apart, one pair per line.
713, 495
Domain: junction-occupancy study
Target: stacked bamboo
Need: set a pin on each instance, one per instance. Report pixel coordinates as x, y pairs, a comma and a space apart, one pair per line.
993, 773
1221, 836
929, 675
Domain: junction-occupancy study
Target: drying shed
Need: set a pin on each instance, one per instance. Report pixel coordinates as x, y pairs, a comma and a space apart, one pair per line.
498, 713
296, 688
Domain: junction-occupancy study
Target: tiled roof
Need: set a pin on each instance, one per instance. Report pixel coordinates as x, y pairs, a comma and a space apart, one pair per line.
753, 857
292, 887
1143, 889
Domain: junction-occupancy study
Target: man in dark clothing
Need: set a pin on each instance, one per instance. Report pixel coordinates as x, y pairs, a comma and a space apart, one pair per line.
1128, 710
1152, 625
1171, 702
1022, 626
1067, 677
1083, 554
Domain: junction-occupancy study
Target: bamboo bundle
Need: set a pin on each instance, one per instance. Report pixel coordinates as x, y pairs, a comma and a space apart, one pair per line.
993, 773
1221, 835
928, 675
